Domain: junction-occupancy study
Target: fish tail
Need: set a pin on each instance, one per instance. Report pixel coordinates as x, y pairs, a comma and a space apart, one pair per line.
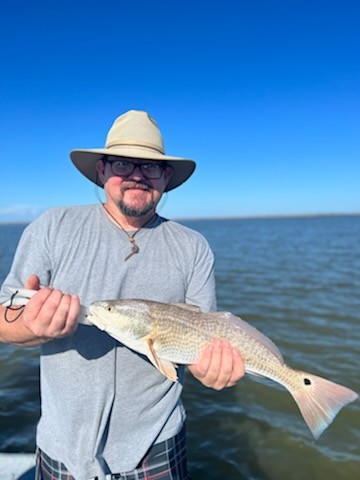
320, 400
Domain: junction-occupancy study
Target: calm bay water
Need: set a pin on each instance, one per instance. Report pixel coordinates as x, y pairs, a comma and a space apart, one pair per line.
298, 281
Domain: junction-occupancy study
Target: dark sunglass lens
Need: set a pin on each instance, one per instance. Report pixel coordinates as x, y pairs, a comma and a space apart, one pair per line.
151, 170
122, 168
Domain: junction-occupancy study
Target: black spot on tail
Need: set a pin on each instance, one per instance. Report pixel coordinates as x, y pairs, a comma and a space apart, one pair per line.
307, 381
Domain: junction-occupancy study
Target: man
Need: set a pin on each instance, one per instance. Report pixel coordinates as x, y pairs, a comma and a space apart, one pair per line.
105, 409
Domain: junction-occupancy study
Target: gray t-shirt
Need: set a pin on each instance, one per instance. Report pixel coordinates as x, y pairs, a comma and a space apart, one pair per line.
104, 405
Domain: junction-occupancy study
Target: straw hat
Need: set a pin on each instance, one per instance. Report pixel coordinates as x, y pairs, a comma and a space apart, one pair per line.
133, 135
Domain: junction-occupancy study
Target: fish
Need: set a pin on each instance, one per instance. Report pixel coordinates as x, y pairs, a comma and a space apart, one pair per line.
173, 334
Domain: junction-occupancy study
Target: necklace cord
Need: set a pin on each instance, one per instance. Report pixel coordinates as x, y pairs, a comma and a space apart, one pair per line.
131, 237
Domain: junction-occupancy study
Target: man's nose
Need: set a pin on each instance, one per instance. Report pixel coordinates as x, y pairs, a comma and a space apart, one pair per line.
137, 173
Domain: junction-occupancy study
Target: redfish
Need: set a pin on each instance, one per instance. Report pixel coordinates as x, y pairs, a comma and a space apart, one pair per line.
171, 334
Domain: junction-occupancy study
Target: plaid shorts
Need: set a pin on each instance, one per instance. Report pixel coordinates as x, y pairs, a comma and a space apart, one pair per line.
164, 461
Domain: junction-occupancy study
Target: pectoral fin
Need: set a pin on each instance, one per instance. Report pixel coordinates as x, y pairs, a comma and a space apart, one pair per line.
166, 367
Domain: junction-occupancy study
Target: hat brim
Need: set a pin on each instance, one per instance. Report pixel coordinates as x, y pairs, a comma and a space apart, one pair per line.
85, 161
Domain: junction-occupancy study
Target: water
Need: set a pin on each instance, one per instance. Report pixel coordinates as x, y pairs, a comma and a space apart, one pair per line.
296, 279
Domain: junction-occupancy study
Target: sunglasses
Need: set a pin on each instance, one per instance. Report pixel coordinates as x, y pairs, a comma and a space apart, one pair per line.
124, 168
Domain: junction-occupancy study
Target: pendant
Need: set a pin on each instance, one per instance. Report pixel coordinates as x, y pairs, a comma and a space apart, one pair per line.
135, 248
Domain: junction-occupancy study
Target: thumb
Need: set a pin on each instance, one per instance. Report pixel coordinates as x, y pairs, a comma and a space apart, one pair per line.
32, 283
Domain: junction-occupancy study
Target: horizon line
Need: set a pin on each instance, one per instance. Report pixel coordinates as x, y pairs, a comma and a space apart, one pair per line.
274, 216
231, 217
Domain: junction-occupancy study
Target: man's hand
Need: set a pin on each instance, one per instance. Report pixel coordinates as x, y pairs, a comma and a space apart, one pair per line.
50, 313
219, 366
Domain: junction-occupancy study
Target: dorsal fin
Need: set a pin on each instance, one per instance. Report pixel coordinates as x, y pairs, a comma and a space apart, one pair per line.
254, 332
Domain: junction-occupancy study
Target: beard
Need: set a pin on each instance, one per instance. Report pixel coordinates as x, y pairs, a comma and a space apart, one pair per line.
133, 211
136, 211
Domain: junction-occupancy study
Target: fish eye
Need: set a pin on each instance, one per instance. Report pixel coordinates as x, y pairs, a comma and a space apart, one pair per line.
111, 308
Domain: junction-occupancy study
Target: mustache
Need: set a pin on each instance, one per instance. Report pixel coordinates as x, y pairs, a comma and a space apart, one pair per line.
138, 185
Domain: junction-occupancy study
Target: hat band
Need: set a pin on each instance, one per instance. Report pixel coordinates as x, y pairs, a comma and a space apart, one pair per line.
135, 144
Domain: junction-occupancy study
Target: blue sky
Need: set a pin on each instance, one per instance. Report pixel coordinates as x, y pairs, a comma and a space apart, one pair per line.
264, 95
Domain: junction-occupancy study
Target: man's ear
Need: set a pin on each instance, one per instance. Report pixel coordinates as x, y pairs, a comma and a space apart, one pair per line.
100, 168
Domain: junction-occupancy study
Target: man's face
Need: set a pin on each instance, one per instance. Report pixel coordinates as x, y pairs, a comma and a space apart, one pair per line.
134, 194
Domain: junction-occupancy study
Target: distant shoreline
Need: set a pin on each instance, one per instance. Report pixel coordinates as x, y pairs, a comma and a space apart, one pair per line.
235, 217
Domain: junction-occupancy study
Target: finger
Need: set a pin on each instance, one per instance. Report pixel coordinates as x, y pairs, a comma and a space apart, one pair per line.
238, 368
35, 304
201, 367
226, 366
213, 371
71, 315
74, 309
41, 310
50, 306
57, 325
32, 283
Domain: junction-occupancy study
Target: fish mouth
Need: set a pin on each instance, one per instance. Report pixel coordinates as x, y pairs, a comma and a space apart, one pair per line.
94, 317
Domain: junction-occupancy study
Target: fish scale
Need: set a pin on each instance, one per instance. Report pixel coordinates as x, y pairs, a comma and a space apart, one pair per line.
175, 337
